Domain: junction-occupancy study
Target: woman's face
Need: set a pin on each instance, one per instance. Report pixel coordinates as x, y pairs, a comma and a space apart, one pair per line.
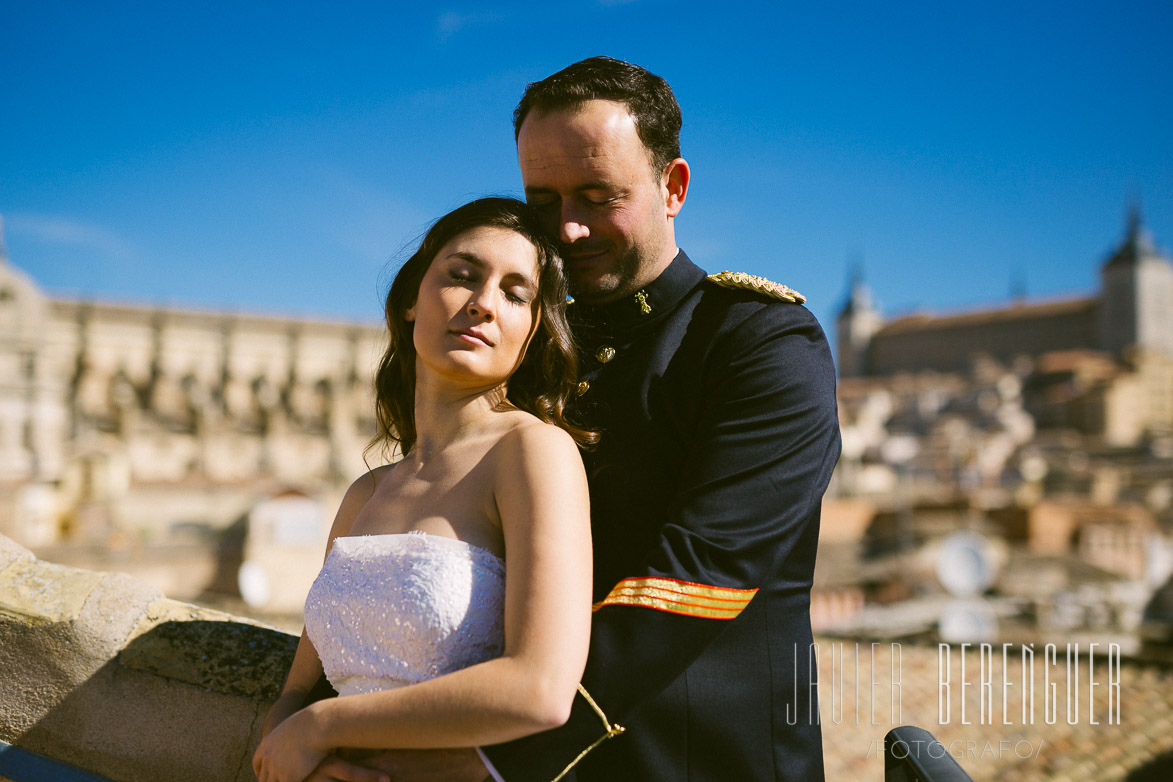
477, 307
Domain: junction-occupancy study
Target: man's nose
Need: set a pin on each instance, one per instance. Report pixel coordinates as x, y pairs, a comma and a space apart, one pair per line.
572, 226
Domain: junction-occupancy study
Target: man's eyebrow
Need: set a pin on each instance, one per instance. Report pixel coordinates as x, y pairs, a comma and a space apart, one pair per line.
596, 185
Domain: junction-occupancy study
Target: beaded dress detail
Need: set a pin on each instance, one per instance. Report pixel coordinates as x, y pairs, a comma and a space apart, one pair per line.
390, 610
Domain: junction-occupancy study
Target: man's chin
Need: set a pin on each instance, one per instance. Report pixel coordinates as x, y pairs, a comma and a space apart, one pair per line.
598, 290
599, 281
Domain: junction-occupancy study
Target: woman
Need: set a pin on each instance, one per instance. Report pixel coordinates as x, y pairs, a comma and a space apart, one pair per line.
414, 590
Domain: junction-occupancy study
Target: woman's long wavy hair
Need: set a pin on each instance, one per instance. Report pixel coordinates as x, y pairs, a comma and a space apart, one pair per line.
548, 375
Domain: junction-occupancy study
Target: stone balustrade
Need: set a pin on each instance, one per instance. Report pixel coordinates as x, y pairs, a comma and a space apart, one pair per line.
105, 673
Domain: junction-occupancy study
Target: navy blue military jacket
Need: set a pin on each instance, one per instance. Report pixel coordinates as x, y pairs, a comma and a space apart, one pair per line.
719, 434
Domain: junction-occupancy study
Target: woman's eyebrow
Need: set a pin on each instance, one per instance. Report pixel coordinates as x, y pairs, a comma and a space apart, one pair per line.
522, 278
477, 261
466, 256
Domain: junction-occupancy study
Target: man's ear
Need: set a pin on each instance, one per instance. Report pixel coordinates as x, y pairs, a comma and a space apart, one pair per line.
675, 184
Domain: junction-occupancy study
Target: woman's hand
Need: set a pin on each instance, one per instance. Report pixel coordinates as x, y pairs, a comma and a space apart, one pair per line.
291, 751
283, 708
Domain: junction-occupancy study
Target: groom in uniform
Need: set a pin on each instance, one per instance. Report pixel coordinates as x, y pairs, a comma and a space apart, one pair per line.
715, 397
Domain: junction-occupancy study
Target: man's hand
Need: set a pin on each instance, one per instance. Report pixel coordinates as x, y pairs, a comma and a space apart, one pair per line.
402, 765
335, 769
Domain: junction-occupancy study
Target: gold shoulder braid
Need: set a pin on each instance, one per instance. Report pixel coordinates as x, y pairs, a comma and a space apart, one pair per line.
751, 282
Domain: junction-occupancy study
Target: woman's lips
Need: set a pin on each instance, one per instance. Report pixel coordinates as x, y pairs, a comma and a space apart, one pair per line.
473, 337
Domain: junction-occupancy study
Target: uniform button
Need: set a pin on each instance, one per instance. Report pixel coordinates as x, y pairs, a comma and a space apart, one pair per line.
605, 354
583, 387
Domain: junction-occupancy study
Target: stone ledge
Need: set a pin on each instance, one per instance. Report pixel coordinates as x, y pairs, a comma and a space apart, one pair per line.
11, 551
41, 593
227, 657
103, 672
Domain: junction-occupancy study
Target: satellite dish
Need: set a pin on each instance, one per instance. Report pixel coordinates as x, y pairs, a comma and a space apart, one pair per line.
966, 565
253, 583
964, 621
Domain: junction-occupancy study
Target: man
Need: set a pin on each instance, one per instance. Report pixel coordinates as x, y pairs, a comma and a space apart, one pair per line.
715, 399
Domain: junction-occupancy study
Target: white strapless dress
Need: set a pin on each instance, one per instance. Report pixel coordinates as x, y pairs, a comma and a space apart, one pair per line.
390, 610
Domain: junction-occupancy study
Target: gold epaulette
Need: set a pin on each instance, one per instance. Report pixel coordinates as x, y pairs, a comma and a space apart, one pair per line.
751, 282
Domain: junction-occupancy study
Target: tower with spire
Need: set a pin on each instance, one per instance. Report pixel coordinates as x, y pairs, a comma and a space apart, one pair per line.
857, 322
1136, 295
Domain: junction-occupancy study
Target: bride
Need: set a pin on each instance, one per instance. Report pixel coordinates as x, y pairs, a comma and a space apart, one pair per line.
414, 618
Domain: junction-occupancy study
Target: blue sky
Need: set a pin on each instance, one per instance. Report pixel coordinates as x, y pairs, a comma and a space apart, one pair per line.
277, 157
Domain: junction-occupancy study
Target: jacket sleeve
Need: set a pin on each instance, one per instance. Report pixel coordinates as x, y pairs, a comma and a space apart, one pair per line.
765, 442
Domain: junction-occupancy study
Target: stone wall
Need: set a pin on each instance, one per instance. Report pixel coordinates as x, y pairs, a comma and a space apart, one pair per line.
950, 344
103, 672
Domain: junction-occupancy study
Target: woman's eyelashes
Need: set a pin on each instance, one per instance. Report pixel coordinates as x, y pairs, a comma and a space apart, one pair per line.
513, 293
519, 293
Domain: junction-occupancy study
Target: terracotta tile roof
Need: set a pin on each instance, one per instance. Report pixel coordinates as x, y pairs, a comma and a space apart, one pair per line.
1071, 360
1139, 746
1015, 312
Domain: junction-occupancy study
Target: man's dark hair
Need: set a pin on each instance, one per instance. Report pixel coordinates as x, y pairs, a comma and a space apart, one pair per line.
648, 98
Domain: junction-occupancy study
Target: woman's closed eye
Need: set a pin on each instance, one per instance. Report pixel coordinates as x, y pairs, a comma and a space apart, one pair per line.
518, 296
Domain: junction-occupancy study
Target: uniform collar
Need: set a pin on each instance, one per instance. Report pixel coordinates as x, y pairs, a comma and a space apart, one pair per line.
646, 305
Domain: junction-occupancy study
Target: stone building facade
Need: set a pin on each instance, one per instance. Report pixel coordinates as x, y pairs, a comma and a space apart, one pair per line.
122, 422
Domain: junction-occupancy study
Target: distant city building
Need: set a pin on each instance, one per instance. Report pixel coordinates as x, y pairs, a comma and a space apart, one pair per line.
1101, 365
1044, 428
123, 424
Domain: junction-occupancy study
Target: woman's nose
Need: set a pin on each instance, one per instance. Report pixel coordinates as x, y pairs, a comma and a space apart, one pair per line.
481, 306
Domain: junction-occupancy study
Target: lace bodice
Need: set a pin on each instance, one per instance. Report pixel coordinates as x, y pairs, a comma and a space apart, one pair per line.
389, 610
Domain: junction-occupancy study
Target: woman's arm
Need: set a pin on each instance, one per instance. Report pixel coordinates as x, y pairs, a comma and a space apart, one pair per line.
298, 682
306, 669
541, 495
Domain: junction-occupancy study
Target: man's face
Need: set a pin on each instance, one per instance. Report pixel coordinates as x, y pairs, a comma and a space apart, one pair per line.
590, 178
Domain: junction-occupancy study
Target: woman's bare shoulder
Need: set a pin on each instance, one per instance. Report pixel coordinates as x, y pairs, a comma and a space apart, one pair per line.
531, 444
363, 487
529, 431
540, 481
